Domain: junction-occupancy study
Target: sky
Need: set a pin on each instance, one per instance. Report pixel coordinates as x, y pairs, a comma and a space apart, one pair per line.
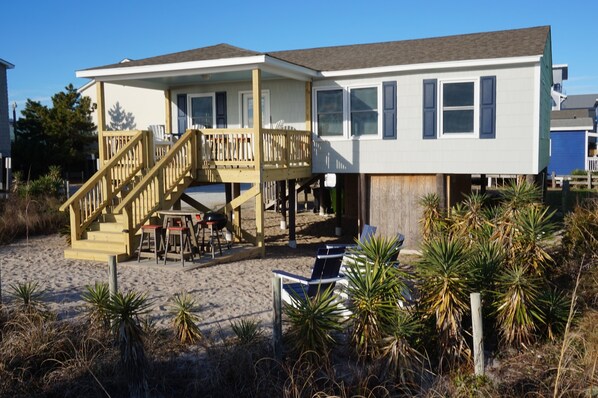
48, 40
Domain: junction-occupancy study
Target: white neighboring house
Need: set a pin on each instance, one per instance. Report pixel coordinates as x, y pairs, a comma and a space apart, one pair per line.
394, 120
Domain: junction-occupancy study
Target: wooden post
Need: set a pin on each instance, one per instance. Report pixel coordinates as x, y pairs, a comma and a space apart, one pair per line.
112, 276
553, 179
228, 197
589, 179
483, 183
321, 196
441, 190
256, 79
282, 191
292, 210
478, 333
259, 220
237, 212
338, 205
276, 318
363, 201
168, 111
100, 102
565, 194
308, 115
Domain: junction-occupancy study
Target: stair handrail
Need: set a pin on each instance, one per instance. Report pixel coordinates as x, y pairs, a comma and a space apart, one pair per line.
149, 194
99, 191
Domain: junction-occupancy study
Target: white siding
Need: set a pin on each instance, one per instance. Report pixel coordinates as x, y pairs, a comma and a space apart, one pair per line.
511, 152
4, 126
146, 105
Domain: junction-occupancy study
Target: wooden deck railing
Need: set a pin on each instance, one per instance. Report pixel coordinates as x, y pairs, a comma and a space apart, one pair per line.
592, 164
99, 191
286, 148
150, 193
227, 147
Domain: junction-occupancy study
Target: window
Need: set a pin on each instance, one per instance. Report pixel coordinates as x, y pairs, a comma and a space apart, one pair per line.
202, 111
348, 112
247, 108
329, 109
364, 111
458, 108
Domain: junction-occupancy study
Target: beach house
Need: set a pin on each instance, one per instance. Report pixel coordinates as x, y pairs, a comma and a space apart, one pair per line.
4, 126
393, 120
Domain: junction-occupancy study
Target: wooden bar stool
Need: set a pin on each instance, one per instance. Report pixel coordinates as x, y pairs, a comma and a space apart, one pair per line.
184, 240
214, 236
154, 236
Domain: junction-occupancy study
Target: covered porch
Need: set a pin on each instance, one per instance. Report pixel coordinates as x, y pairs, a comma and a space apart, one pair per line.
141, 175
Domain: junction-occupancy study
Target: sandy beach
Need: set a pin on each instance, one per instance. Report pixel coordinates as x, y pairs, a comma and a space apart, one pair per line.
226, 292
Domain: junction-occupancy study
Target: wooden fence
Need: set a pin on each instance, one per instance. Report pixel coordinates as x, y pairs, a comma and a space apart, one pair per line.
589, 181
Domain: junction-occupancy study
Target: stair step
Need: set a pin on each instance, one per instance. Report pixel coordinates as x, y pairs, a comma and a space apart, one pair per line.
116, 247
106, 236
93, 255
113, 218
108, 227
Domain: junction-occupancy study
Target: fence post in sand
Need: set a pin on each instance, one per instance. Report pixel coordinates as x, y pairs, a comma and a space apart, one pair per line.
276, 318
553, 179
292, 213
478, 333
112, 282
589, 179
565, 194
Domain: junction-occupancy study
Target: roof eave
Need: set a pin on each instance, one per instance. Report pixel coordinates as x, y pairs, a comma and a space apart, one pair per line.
532, 59
7, 64
265, 62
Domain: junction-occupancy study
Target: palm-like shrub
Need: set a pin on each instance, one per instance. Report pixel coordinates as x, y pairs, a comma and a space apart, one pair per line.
517, 304
28, 294
533, 228
184, 309
554, 307
432, 220
124, 311
97, 298
313, 322
521, 194
446, 276
247, 331
375, 287
469, 219
580, 237
487, 258
397, 346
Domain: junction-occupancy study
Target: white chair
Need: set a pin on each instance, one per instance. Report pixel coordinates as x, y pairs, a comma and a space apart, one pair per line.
159, 132
279, 125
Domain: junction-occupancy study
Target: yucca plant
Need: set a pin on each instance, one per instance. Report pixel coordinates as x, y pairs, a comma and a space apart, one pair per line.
97, 298
486, 259
554, 309
398, 346
432, 221
124, 311
517, 304
520, 194
184, 308
534, 227
446, 278
469, 218
247, 331
313, 322
28, 293
580, 235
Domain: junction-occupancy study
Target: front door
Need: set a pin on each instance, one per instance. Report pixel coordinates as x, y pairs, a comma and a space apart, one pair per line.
247, 111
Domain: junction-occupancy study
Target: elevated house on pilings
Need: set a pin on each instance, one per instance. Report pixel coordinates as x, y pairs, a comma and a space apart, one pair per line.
393, 121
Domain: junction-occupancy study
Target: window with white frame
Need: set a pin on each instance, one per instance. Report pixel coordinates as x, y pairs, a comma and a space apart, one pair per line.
364, 111
329, 110
458, 108
357, 105
202, 111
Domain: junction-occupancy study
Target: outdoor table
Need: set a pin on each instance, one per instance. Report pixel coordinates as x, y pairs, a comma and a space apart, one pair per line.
185, 217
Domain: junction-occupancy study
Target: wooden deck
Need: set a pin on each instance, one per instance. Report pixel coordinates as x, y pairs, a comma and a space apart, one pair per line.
139, 178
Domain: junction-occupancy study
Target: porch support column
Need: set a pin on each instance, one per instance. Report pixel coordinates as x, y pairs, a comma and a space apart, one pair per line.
256, 77
363, 199
338, 205
308, 117
321, 196
483, 183
292, 208
167, 111
237, 212
100, 102
228, 197
282, 199
441, 190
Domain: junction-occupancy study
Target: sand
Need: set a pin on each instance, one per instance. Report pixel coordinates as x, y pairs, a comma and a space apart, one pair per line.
225, 292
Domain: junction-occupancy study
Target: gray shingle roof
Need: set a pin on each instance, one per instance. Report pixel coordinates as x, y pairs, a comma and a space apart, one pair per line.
489, 45
580, 101
572, 123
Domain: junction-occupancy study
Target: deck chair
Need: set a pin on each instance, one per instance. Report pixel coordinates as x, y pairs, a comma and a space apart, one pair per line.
324, 275
159, 132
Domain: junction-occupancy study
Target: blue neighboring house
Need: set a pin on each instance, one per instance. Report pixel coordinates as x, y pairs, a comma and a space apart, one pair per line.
573, 135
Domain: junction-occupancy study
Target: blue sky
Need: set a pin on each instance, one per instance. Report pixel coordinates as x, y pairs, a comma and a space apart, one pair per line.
48, 41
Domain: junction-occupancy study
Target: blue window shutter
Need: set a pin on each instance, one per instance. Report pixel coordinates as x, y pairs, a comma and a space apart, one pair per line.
389, 100
429, 111
181, 101
221, 110
488, 107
